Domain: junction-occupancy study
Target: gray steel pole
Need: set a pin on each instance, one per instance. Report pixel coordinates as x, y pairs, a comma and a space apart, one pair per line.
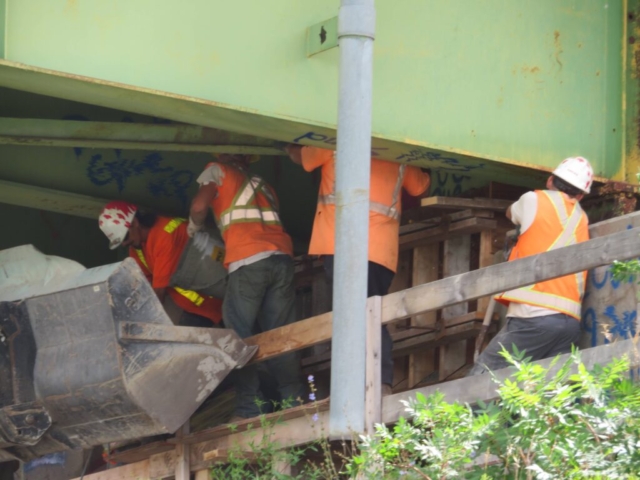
356, 27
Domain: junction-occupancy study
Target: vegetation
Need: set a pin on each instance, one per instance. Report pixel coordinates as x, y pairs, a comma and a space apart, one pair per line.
561, 422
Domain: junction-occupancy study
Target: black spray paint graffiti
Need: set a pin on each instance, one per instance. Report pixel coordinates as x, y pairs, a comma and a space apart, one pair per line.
166, 181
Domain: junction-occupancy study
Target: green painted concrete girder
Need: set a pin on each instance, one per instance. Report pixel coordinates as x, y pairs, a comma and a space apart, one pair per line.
134, 136
50, 200
512, 82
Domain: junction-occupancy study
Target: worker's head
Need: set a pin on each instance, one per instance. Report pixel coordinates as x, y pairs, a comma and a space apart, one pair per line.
236, 159
124, 224
573, 176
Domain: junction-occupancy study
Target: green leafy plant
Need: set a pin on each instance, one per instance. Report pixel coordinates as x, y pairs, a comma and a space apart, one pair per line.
562, 422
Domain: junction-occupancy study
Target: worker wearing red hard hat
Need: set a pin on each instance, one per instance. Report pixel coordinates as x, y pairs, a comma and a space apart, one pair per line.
544, 319
160, 247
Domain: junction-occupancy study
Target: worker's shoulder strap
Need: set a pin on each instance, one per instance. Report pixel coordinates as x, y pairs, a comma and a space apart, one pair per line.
174, 223
570, 222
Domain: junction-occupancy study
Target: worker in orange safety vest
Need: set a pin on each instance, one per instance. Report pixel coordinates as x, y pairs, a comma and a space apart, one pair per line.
387, 181
260, 295
159, 246
544, 319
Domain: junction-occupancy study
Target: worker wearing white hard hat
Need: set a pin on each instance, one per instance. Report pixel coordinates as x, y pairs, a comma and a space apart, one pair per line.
170, 260
544, 319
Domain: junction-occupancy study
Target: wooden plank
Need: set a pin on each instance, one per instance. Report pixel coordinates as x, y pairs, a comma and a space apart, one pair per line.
461, 203
251, 423
483, 387
430, 221
457, 259
460, 288
183, 470
141, 453
506, 276
304, 429
372, 393
202, 475
444, 232
292, 337
222, 455
613, 225
425, 270
163, 465
134, 471
486, 260
436, 339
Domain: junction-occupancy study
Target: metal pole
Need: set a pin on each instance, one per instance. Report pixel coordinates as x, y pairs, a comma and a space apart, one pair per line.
356, 27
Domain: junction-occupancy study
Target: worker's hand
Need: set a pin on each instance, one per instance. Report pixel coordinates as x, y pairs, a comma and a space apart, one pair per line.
295, 152
193, 227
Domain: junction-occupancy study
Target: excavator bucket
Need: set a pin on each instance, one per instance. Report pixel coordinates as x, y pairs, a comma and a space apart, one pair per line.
90, 357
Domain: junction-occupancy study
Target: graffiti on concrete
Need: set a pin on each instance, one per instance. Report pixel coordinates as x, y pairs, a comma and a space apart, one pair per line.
332, 141
445, 184
114, 169
164, 182
447, 163
616, 314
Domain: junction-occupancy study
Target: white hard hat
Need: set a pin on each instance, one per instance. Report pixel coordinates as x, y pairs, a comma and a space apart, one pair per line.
115, 221
576, 171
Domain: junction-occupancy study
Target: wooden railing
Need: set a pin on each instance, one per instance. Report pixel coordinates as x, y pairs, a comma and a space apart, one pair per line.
300, 427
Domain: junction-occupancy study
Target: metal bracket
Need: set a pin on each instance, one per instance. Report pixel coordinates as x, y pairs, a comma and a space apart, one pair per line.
23, 424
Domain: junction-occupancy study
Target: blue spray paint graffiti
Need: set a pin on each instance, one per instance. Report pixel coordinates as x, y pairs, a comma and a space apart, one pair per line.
449, 163
166, 181
46, 461
448, 185
590, 325
102, 172
624, 328
332, 141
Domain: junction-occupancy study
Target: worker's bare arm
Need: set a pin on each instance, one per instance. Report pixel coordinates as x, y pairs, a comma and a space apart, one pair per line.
200, 203
294, 152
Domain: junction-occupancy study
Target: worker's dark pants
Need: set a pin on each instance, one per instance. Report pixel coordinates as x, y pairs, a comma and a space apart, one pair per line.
378, 282
540, 337
261, 297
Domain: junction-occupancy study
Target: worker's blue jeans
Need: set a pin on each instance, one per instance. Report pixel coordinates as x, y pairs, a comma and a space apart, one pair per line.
261, 297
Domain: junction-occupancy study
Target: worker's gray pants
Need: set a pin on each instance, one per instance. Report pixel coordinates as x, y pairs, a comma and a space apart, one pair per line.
261, 297
540, 337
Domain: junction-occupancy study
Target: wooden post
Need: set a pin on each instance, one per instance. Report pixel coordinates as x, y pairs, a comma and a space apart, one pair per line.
372, 392
457, 259
202, 475
425, 270
183, 467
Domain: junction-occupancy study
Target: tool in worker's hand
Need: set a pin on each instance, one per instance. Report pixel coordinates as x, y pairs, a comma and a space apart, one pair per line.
485, 326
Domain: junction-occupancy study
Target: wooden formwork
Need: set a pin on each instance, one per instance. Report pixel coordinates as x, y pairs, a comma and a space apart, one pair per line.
189, 452
443, 237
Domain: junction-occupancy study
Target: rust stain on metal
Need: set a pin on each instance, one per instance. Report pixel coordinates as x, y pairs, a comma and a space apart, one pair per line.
558, 47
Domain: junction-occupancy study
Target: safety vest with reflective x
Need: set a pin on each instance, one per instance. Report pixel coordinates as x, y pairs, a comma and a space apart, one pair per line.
391, 210
559, 222
253, 202
190, 295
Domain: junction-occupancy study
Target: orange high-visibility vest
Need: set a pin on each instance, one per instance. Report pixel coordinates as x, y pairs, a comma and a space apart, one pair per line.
559, 222
385, 198
188, 300
246, 210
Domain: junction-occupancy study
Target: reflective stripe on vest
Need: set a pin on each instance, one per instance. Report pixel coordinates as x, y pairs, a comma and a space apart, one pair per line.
567, 237
173, 224
386, 210
241, 210
190, 295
